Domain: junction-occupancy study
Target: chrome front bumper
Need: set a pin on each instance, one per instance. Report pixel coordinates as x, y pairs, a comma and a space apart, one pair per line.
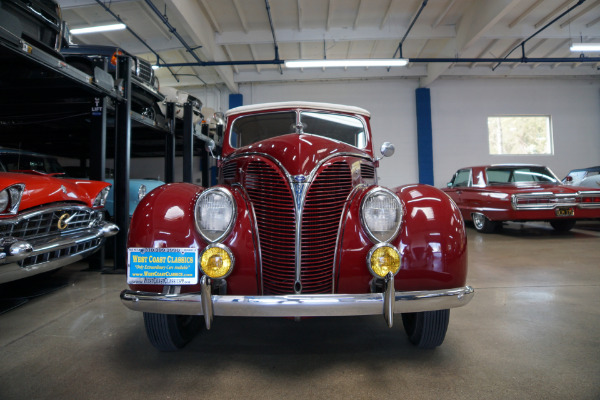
16, 251
301, 305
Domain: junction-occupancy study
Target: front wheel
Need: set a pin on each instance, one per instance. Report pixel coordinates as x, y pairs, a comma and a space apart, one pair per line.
483, 224
563, 225
169, 332
426, 329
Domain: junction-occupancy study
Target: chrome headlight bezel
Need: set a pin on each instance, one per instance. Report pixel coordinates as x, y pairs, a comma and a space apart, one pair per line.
373, 250
100, 200
226, 250
392, 233
142, 190
212, 238
11, 197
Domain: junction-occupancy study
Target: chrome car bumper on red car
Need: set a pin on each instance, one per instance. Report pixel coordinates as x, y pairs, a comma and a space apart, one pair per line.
296, 305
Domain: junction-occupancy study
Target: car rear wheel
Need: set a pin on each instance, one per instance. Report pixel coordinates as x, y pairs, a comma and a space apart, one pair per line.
169, 332
426, 329
563, 225
483, 224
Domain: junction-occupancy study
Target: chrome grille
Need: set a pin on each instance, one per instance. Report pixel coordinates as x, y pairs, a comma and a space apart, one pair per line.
274, 209
367, 171
44, 222
145, 71
270, 193
320, 222
66, 252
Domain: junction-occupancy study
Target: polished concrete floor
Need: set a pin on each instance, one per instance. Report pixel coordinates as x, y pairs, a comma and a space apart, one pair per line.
532, 331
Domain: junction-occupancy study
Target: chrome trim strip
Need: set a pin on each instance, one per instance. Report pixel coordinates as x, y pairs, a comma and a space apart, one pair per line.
323, 305
559, 196
42, 210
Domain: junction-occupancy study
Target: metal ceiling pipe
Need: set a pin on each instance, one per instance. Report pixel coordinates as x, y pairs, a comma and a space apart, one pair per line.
522, 44
175, 33
115, 16
273, 33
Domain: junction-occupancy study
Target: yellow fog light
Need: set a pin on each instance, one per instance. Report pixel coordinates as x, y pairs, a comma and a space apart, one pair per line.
216, 261
383, 259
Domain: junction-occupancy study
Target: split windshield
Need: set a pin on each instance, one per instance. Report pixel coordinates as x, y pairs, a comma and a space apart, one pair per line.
254, 128
503, 175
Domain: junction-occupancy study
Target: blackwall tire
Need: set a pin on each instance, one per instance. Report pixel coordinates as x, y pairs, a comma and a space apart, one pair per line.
169, 332
426, 329
563, 225
483, 224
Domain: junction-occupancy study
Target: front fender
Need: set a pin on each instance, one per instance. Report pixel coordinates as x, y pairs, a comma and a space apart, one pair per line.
165, 218
432, 243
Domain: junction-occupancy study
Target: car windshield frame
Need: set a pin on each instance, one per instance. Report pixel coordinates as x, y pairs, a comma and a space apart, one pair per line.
522, 174
344, 128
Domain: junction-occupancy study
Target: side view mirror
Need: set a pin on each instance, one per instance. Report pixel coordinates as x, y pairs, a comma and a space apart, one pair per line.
387, 150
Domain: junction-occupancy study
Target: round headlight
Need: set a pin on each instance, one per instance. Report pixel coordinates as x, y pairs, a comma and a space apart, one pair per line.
215, 213
4, 200
141, 192
216, 261
383, 259
381, 214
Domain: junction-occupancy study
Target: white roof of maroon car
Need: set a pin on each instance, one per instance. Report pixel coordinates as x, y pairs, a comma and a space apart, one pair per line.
298, 104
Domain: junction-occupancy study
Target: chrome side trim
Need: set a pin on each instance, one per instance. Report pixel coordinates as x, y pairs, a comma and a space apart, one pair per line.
561, 200
302, 305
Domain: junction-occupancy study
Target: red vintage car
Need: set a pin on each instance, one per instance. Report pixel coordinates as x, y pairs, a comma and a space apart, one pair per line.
48, 222
297, 227
490, 195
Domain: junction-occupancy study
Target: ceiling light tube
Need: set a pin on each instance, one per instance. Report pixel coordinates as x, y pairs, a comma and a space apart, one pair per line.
367, 62
585, 47
95, 29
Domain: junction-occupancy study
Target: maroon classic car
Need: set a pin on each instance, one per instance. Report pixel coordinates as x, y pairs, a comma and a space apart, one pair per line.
48, 222
490, 195
297, 227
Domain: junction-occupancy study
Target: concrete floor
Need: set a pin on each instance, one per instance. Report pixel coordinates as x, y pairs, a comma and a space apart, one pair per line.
532, 331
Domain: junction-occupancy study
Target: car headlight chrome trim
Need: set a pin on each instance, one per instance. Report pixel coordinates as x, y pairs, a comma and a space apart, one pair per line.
10, 199
382, 259
381, 214
100, 200
217, 261
215, 213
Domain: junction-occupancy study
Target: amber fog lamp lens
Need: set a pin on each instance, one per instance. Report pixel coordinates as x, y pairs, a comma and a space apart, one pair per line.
384, 260
216, 262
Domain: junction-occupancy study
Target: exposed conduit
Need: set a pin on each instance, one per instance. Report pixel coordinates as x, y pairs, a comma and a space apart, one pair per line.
115, 16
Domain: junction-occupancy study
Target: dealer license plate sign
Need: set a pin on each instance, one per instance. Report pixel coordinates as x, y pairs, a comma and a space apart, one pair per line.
169, 266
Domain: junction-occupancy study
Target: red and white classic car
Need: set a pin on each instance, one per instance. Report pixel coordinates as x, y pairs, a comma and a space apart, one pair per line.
48, 222
490, 195
297, 227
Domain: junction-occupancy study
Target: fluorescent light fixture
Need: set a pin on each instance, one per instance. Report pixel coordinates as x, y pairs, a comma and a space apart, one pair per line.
585, 47
367, 62
95, 29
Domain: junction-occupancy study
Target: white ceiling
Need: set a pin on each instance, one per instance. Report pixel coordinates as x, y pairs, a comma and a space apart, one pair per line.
240, 31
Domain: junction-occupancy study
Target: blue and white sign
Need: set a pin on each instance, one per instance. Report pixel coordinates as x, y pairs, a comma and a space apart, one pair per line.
169, 266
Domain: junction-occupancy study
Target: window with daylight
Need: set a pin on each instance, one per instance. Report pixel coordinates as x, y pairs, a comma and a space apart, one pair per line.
528, 134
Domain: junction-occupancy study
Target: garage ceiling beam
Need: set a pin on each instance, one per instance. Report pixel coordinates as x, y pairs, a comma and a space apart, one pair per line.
201, 32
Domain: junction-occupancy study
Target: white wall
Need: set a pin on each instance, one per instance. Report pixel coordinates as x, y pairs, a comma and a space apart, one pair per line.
460, 108
459, 117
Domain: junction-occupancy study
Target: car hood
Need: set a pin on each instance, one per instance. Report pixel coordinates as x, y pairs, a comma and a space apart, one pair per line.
299, 154
44, 189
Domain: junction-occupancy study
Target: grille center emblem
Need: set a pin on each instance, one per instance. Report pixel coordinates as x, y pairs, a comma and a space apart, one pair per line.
299, 185
63, 221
